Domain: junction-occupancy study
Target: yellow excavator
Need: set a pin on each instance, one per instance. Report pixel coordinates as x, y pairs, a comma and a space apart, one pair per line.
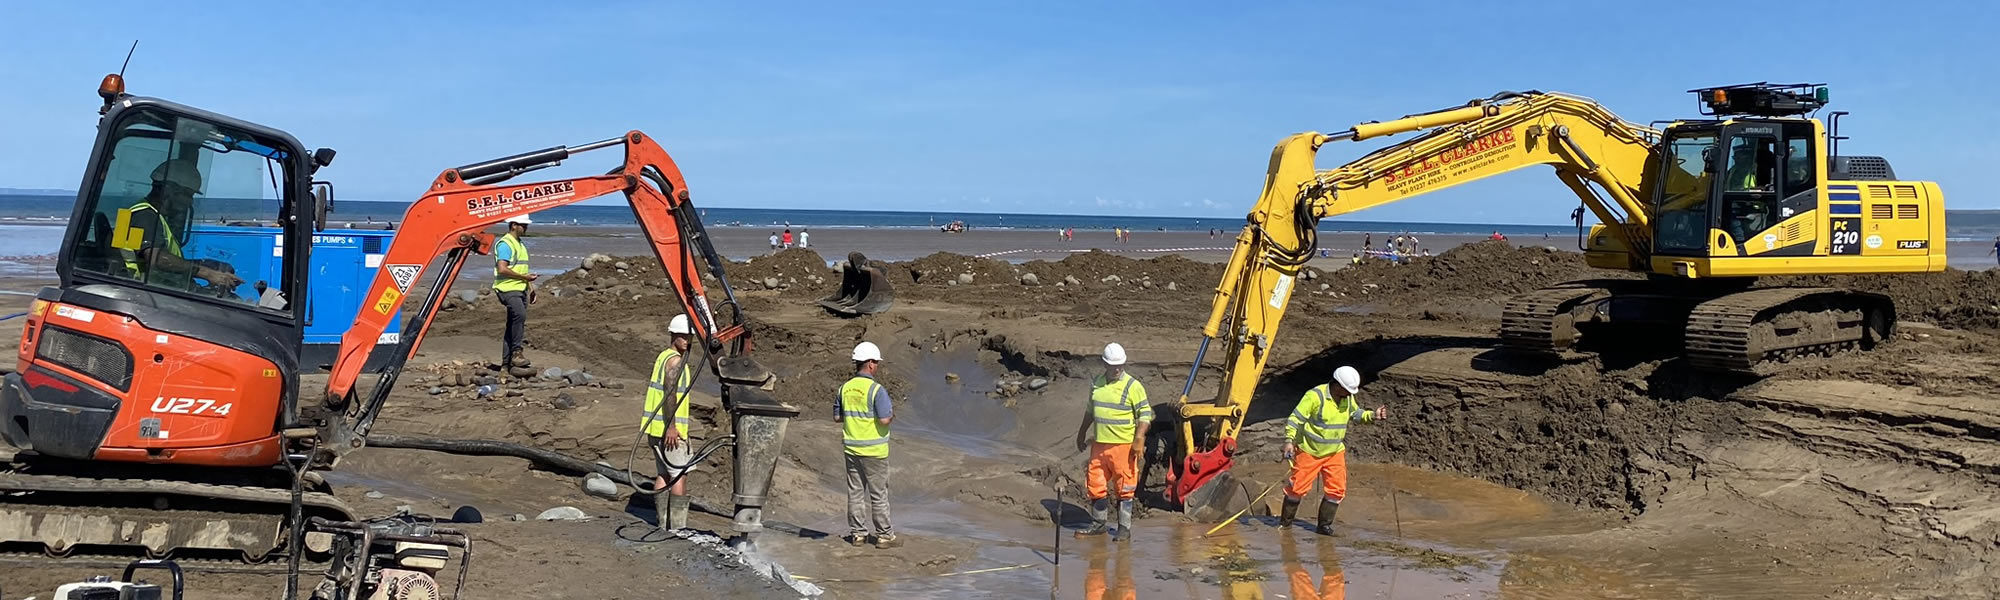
1702, 208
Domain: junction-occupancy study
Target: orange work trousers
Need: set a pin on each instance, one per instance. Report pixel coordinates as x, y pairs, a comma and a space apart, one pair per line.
1330, 470
1111, 462
1121, 588
1333, 586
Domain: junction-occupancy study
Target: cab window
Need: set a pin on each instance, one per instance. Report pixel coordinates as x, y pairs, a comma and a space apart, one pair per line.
187, 206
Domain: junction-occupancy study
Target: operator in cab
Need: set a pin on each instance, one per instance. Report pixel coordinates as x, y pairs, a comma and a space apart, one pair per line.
158, 257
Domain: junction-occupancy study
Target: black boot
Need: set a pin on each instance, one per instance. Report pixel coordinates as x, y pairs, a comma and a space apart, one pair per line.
1326, 509
1289, 512
1098, 509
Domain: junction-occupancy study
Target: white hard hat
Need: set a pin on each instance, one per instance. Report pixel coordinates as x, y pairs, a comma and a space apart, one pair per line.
178, 172
520, 218
1348, 378
679, 325
867, 351
1114, 354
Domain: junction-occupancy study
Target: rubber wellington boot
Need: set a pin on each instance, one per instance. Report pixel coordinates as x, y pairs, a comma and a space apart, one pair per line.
677, 511
1326, 510
1290, 512
1124, 531
663, 511
1098, 508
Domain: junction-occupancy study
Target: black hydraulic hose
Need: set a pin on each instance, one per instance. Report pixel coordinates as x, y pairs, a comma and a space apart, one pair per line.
557, 461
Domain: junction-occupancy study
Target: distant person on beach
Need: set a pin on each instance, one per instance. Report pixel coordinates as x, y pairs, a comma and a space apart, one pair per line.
1427, 252
802, 238
1996, 247
786, 241
1367, 241
1357, 258
774, 241
1498, 237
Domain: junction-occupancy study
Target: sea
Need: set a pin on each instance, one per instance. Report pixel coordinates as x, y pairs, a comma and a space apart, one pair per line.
21, 209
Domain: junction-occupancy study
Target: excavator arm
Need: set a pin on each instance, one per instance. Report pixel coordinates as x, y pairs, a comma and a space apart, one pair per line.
448, 222
1591, 150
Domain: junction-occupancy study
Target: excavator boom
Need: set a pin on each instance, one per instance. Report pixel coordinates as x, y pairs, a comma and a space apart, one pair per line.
1585, 143
450, 220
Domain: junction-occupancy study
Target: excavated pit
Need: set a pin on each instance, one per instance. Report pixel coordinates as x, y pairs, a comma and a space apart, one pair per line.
1596, 475
1718, 485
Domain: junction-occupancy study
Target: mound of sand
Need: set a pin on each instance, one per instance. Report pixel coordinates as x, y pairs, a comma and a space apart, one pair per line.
944, 267
1095, 265
1473, 271
1952, 298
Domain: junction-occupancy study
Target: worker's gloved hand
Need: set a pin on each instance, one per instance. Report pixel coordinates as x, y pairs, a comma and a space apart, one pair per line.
1291, 450
1381, 413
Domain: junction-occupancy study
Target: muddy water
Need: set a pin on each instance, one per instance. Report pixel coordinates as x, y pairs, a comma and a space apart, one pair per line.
1441, 537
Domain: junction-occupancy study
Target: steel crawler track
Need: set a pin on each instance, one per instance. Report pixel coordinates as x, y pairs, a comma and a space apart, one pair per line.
1542, 320
1726, 333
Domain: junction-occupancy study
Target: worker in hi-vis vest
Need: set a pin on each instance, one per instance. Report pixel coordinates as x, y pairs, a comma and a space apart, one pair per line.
510, 285
666, 423
865, 412
151, 244
1116, 419
1316, 445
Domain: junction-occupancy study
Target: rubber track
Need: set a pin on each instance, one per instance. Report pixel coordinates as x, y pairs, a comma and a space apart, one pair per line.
114, 564
280, 499
1527, 322
1718, 331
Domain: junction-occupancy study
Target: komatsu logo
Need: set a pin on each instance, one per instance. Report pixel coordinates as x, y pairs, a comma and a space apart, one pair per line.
1480, 145
520, 195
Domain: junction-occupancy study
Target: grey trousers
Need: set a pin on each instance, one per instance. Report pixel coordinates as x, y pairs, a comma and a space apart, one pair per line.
517, 323
867, 495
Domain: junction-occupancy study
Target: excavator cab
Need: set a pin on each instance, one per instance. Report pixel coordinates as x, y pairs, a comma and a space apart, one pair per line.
142, 286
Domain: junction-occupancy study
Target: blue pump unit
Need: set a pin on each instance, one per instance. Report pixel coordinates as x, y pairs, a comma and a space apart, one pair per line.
344, 262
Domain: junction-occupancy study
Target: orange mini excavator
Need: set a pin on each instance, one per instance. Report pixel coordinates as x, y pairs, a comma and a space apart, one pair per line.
158, 407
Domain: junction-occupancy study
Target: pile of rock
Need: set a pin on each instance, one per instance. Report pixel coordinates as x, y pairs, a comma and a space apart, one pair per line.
458, 379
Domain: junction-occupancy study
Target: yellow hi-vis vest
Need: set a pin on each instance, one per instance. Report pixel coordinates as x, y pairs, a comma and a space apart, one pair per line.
1319, 425
860, 433
518, 264
137, 266
1118, 407
656, 392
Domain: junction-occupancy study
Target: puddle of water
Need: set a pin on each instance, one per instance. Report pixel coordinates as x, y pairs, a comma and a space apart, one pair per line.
1170, 558
959, 414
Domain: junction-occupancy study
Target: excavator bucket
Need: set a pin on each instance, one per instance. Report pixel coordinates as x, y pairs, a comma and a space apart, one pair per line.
1216, 500
864, 289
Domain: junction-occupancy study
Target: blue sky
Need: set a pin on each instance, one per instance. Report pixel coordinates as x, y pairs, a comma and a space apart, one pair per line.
1087, 108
